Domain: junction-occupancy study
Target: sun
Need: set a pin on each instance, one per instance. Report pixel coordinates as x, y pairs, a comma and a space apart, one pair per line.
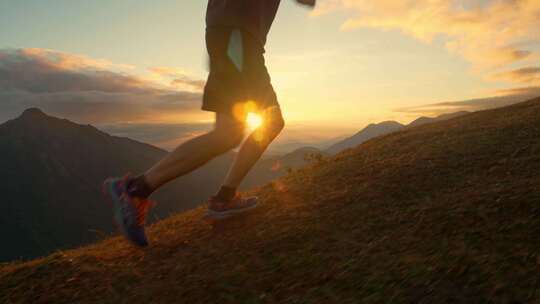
254, 121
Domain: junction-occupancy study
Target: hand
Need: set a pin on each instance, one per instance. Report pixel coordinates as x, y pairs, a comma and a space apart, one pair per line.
310, 3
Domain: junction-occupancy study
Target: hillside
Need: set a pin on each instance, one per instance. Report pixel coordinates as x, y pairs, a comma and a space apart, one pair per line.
447, 212
270, 168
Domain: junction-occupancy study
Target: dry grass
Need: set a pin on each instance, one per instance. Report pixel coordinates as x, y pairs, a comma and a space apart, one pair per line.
442, 213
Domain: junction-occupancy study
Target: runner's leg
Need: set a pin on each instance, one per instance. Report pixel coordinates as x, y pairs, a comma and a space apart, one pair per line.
254, 146
227, 134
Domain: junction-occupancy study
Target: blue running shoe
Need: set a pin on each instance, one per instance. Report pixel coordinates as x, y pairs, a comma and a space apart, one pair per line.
129, 211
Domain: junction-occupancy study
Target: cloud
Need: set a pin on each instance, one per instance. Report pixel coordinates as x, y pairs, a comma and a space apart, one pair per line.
62, 60
168, 72
523, 75
46, 72
184, 81
87, 90
491, 34
165, 136
178, 78
531, 91
507, 97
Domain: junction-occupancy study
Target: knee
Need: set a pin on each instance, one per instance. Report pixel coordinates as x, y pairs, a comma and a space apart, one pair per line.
275, 124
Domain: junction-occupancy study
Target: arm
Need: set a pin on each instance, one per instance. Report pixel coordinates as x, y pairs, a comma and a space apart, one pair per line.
310, 3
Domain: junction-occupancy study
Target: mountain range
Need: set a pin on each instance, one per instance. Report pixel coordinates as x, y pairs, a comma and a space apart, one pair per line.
383, 128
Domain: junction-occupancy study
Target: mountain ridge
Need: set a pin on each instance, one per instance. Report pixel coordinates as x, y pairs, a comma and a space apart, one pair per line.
385, 127
425, 120
52, 171
370, 131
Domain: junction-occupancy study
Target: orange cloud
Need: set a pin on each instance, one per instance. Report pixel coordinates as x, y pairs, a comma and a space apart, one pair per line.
490, 34
178, 78
84, 89
168, 72
531, 91
71, 61
523, 75
188, 82
435, 109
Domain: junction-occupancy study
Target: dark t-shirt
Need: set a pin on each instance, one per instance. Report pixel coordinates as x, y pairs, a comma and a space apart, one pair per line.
253, 16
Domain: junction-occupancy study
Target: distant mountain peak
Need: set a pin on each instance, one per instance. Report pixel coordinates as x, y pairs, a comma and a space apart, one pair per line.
425, 120
388, 123
370, 131
33, 113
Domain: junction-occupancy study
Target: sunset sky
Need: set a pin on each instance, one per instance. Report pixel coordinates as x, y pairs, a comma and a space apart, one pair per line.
136, 68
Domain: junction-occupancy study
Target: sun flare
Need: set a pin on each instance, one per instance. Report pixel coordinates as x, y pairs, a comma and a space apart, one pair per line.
254, 121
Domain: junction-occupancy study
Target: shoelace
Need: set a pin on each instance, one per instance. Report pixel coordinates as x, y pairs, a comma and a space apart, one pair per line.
141, 205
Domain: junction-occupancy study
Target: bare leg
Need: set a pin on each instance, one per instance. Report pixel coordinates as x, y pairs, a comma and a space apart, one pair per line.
254, 146
227, 134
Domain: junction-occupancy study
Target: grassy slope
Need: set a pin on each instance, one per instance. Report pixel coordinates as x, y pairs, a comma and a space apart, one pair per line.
446, 212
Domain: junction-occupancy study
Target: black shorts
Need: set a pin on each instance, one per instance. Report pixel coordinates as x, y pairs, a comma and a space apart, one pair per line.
238, 81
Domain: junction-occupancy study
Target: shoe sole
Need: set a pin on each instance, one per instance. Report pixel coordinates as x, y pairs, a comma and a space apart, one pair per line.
219, 216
